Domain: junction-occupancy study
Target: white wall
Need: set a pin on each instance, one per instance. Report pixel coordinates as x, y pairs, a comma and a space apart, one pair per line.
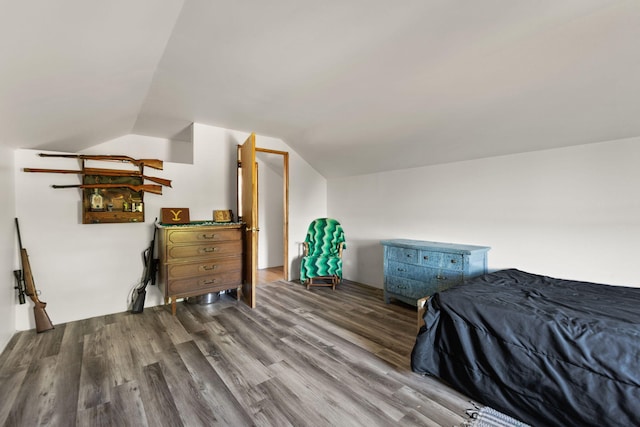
572, 213
86, 270
9, 259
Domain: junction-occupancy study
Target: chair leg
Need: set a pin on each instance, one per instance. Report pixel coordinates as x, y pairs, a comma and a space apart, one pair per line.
323, 281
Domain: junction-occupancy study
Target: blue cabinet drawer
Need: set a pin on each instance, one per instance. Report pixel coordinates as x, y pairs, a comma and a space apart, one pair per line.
430, 258
403, 254
410, 271
445, 279
416, 289
442, 260
421, 274
407, 287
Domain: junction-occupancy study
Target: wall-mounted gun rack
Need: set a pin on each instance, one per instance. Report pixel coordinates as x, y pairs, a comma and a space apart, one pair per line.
111, 195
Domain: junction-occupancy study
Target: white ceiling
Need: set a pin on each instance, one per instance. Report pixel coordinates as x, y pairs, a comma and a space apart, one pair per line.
354, 86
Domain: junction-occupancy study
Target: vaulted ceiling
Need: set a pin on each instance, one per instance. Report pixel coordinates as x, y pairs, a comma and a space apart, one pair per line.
354, 86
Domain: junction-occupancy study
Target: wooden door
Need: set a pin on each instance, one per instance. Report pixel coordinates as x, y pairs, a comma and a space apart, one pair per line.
249, 204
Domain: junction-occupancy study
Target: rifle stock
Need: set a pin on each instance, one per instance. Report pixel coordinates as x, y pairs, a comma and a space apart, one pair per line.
149, 275
43, 322
152, 163
138, 302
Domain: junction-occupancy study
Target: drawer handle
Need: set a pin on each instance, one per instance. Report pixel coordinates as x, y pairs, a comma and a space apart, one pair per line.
441, 277
209, 267
209, 249
401, 269
209, 282
409, 256
209, 236
425, 257
453, 261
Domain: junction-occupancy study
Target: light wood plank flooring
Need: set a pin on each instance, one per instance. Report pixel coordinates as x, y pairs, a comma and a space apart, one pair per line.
302, 358
270, 274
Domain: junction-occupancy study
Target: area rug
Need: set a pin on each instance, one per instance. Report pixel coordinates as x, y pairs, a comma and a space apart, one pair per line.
489, 417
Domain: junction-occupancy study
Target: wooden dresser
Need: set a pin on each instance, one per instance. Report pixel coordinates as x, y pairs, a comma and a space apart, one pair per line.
414, 269
199, 258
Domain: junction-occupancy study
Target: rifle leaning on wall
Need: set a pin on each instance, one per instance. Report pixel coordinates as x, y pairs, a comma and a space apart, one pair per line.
27, 286
149, 275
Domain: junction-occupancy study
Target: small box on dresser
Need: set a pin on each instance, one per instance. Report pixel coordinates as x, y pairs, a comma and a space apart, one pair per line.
197, 259
414, 269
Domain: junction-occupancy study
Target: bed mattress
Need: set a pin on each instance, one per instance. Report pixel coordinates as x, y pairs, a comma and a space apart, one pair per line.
544, 350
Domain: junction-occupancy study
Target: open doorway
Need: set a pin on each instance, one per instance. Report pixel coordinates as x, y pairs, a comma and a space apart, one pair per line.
273, 215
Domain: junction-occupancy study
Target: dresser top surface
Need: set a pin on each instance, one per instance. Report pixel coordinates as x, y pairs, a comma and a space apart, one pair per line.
199, 224
437, 246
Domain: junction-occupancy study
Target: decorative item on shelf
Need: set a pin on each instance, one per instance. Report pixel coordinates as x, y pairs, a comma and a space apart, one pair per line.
96, 200
136, 204
174, 215
222, 215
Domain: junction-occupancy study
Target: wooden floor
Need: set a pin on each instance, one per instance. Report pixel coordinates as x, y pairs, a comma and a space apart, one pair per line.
301, 358
270, 274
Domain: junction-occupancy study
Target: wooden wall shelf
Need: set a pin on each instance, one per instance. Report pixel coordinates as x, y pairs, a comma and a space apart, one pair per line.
118, 204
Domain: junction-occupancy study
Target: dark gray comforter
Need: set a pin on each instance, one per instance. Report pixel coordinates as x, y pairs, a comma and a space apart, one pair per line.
546, 351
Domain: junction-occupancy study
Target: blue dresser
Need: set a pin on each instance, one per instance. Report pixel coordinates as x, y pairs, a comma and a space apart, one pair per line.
415, 268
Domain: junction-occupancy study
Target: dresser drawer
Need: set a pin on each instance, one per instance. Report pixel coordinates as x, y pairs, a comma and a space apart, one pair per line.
201, 285
442, 260
444, 279
204, 250
410, 271
406, 287
415, 289
185, 235
402, 254
204, 268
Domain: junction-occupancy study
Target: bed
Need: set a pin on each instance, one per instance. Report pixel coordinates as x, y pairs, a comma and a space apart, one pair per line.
547, 351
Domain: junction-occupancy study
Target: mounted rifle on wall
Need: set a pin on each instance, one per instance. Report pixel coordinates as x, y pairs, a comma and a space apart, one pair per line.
104, 172
26, 286
149, 275
152, 163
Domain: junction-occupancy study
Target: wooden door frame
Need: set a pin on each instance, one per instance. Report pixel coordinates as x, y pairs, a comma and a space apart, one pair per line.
285, 201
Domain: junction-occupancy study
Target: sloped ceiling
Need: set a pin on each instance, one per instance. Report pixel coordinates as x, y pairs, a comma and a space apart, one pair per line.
354, 86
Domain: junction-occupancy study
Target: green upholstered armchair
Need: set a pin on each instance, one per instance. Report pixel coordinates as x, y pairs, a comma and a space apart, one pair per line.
322, 261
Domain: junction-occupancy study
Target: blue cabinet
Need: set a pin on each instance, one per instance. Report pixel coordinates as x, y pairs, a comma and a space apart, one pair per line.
416, 268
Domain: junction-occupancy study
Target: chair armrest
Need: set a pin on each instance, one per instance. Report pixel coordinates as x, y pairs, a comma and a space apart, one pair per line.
305, 245
422, 307
340, 248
